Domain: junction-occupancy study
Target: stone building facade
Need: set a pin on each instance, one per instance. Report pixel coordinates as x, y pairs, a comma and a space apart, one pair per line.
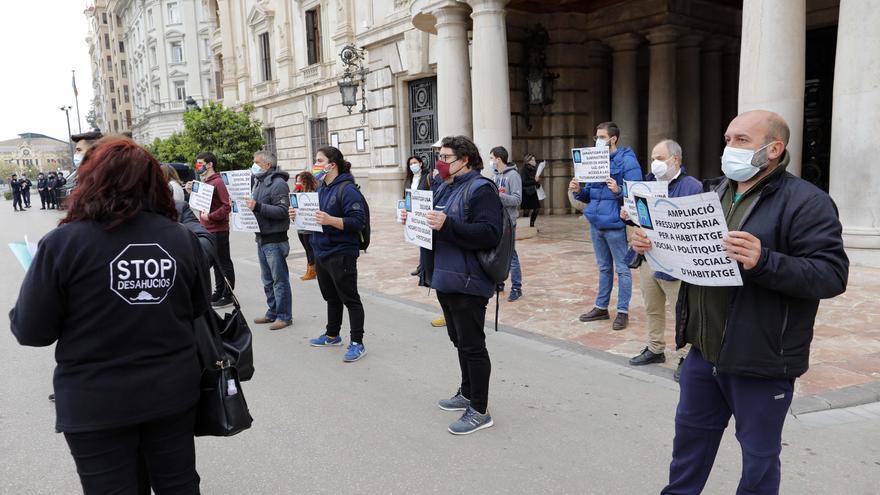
109, 61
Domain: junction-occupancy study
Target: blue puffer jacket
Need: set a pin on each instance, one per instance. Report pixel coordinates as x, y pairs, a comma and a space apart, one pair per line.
603, 206
352, 210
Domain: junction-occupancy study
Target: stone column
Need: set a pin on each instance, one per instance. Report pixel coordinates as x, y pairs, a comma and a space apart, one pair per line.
490, 82
712, 127
689, 101
774, 37
855, 125
453, 73
624, 90
662, 108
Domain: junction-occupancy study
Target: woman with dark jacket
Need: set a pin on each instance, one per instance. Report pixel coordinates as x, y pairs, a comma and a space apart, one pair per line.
127, 378
306, 182
418, 178
530, 185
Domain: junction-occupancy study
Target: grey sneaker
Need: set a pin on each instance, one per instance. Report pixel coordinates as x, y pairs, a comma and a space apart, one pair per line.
470, 422
458, 402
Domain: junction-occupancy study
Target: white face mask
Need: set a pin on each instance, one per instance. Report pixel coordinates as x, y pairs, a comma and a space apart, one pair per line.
601, 143
415, 168
659, 168
77, 159
737, 163
256, 169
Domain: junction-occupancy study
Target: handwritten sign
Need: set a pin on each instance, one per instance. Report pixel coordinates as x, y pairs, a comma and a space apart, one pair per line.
238, 183
242, 218
417, 230
591, 164
201, 196
657, 189
306, 205
687, 236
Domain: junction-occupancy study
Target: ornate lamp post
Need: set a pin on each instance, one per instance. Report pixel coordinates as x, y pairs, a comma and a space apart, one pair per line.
355, 75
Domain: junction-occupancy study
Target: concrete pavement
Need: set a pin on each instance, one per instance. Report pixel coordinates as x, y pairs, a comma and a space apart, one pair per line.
567, 419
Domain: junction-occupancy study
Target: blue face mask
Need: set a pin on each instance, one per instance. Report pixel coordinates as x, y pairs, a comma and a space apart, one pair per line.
256, 170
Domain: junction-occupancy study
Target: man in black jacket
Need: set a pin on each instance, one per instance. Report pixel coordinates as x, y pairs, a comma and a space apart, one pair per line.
42, 184
15, 187
750, 343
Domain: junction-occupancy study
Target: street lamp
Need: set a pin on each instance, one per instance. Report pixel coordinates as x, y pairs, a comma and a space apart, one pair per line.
66, 109
353, 59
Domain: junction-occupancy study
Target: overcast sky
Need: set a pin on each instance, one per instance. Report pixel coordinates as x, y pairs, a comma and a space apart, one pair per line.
41, 41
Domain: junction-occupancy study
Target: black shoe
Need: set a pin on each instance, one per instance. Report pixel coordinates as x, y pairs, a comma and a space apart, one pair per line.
43, 208
51, 397
223, 301
595, 314
414, 273
620, 322
647, 357
677, 375
514, 295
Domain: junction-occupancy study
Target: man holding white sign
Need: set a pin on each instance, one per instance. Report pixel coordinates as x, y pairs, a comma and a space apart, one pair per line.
750, 343
607, 230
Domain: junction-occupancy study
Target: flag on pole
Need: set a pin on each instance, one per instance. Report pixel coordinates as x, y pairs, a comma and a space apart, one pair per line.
75, 92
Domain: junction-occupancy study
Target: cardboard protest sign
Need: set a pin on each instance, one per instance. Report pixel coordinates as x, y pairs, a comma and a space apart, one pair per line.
687, 236
306, 205
201, 196
238, 184
591, 164
417, 230
657, 189
242, 218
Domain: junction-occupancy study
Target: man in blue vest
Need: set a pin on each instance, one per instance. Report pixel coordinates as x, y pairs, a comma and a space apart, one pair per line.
463, 288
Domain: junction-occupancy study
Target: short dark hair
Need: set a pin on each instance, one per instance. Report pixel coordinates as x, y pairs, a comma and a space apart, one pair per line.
500, 152
611, 127
462, 146
89, 137
208, 157
335, 156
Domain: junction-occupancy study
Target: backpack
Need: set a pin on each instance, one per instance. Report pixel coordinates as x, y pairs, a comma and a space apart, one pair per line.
496, 261
364, 234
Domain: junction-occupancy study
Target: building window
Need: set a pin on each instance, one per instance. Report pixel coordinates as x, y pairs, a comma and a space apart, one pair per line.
106, 41
153, 56
150, 23
206, 48
118, 20
125, 96
218, 77
269, 137
156, 93
112, 86
104, 17
109, 63
173, 13
123, 69
318, 128
121, 47
128, 118
265, 57
176, 52
180, 90
113, 105
313, 35
115, 125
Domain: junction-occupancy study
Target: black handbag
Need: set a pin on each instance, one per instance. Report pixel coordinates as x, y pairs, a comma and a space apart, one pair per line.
222, 410
237, 340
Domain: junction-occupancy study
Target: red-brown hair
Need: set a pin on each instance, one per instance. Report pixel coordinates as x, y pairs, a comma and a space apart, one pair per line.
117, 180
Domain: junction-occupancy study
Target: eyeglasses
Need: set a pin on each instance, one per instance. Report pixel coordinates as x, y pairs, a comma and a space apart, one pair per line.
446, 158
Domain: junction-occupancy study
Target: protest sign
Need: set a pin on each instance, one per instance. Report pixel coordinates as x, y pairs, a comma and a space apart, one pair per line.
591, 164
201, 196
417, 230
307, 206
238, 184
687, 236
657, 189
401, 207
242, 218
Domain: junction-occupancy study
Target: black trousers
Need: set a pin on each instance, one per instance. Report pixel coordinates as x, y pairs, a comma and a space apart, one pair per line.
130, 460
305, 240
225, 268
43, 195
51, 197
16, 201
26, 195
337, 279
465, 319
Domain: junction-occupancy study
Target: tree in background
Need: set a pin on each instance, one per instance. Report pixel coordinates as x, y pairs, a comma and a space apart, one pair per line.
233, 136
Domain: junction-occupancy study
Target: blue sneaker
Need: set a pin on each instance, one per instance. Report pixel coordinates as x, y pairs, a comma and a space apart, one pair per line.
355, 352
325, 341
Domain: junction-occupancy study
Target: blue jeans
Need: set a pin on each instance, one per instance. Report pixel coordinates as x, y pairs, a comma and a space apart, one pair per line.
610, 248
276, 279
515, 269
706, 402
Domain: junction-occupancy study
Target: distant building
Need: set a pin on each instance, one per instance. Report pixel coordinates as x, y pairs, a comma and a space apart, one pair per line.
32, 153
109, 52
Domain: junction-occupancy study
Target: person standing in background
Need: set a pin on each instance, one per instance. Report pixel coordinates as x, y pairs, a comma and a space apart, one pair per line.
306, 182
531, 204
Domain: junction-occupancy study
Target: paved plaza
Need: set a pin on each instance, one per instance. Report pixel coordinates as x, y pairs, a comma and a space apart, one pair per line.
570, 416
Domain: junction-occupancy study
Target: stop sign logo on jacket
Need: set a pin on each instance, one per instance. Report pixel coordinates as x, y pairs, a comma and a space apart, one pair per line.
143, 274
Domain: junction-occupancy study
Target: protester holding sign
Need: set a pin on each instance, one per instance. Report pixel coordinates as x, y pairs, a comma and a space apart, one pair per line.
607, 230
216, 221
659, 288
269, 204
305, 182
116, 288
750, 343
342, 215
